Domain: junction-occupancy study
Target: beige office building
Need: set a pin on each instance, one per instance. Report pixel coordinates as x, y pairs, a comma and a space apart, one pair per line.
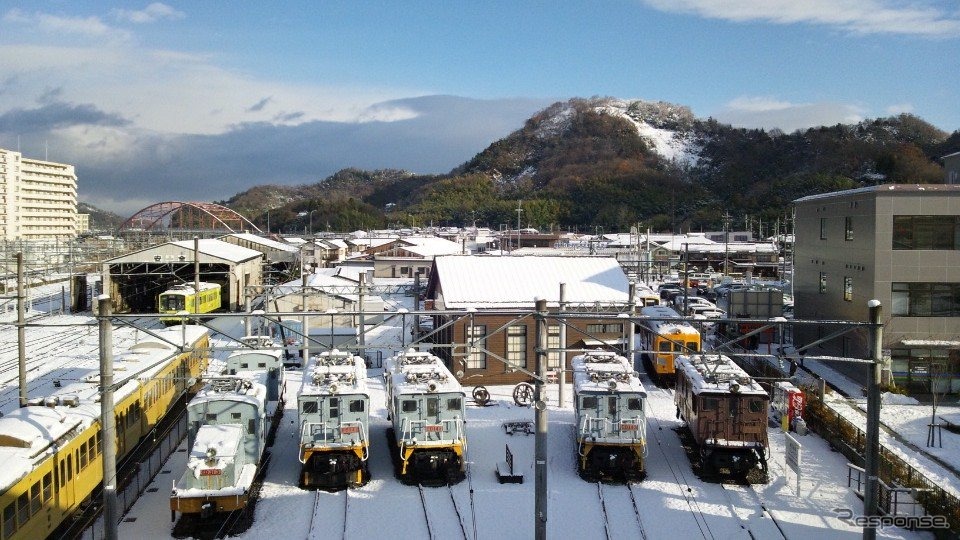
899, 244
38, 199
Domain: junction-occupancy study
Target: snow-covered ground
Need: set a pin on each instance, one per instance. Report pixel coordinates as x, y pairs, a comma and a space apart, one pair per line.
672, 502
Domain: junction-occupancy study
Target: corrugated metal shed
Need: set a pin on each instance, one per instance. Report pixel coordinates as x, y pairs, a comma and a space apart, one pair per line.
511, 282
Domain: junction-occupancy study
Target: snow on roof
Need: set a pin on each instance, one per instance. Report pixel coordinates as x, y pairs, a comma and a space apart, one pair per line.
294, 240
335, 372
220, 249
431, 246
266, 242
717, 373
882, 189
933, 343
467, 281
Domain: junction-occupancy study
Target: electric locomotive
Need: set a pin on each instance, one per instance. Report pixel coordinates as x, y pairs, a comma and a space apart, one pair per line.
334, 418
609, 403
726, 413
425, 404
230, 423
663, 339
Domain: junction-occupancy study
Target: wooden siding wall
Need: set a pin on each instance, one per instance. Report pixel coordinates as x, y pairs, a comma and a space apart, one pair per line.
496, 372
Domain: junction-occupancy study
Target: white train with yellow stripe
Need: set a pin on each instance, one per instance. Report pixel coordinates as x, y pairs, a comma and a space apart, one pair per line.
333, 407
230, 422
425, 404
51, 450
610, 408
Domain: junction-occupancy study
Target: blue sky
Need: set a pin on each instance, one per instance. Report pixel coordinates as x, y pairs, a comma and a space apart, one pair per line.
200, 100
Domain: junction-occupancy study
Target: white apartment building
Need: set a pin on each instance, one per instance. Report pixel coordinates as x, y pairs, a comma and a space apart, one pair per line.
38, 199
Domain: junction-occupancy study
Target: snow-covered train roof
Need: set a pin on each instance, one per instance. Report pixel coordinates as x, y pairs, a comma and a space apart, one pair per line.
603, 371
715, 373
335, 372
245, 386
28, 434
414, 372
666, 326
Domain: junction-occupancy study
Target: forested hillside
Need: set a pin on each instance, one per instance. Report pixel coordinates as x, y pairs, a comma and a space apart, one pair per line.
610, 163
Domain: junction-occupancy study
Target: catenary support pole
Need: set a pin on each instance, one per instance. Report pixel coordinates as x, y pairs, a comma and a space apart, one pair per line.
632, 311
363, 323
540, 405
107, 421
305, 322
872, 450
21, 332
561, 371
196, 276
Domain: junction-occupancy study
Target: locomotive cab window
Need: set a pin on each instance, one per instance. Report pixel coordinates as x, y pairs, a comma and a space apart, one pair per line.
708, 404
589, 402
309, 407
692, 346
756, 405
664, 346
251, 426
433, 406
454, 404
634, 404
356, 405
211, 417
409, 405
235, 415
612, 402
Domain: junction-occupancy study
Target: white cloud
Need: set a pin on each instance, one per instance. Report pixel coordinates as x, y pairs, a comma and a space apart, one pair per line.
53, 24
899, 108
857, 16
769, 113
154, 12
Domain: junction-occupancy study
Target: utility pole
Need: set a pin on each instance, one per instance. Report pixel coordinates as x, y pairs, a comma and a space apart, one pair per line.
108, 424
305, 323
872, 450
363, 324
686, 278
540, 405
631, 309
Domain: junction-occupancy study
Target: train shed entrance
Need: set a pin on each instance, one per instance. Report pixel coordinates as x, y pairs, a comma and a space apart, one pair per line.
134, 280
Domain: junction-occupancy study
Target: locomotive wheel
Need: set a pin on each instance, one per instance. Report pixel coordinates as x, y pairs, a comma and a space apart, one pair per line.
481, 395
523, 394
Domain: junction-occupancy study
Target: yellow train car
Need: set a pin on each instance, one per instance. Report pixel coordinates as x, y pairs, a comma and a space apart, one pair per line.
52, 449
184, 298
662, 338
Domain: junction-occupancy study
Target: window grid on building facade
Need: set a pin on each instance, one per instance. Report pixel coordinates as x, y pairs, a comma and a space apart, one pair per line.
516, 353
926, 232
476, 357
925, 299
553, 342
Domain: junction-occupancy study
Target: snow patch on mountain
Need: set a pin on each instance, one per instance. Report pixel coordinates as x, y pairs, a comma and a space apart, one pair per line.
666, 128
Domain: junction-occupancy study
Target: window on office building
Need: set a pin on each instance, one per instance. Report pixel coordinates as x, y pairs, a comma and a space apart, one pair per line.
823, 282
847, 288
848, 228
925, 299
926, 232
823, 228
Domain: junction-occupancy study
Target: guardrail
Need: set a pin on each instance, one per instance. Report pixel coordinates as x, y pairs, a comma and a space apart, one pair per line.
850, 440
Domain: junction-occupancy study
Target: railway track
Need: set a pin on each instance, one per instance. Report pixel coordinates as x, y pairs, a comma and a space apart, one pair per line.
329, 518
616, 509
676, 469
744, 503
442, 513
